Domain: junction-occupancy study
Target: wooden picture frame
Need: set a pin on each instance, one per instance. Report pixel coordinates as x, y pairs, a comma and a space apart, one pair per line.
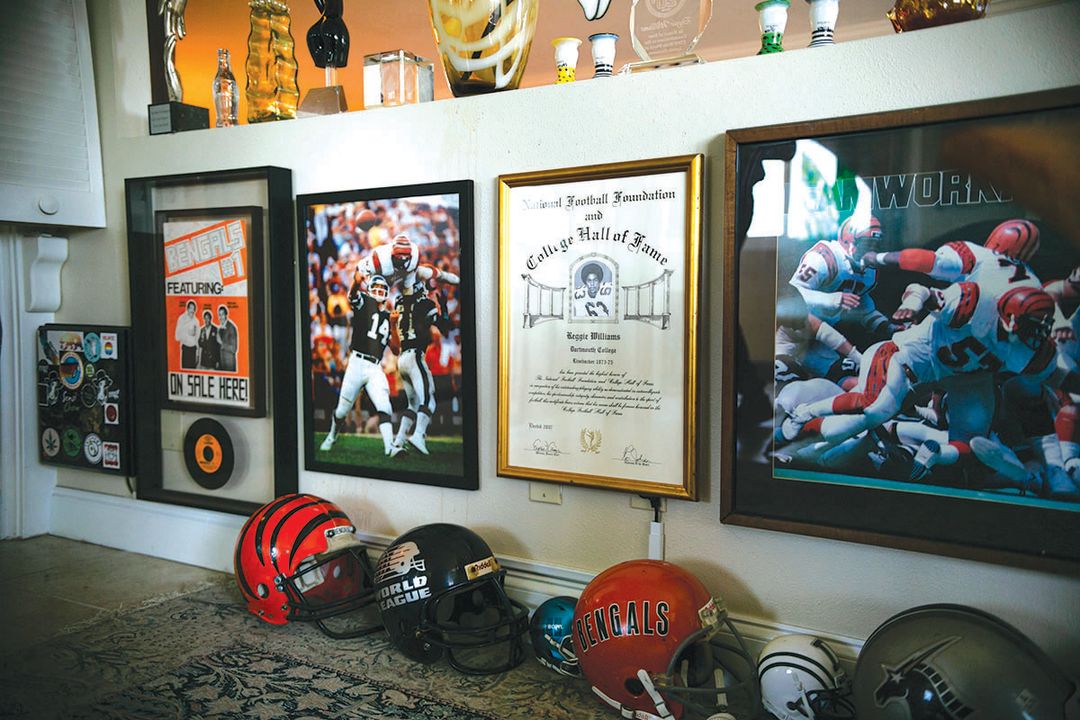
168, 470
598, 325
397, 393
859, 299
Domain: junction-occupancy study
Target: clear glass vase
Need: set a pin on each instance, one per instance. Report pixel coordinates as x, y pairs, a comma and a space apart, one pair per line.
271, 90
484, 44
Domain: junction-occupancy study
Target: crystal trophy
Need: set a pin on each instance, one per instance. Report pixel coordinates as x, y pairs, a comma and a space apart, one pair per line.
664, 33
328, 43
397, 77
174, 115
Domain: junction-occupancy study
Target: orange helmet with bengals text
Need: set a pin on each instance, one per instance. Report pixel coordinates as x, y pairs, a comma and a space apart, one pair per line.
649, 639
298, 559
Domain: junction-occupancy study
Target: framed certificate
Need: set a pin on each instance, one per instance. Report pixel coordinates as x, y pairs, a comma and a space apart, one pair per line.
598, 310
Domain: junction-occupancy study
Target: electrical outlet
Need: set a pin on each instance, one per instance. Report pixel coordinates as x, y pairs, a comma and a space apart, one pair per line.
545, 493
640, 503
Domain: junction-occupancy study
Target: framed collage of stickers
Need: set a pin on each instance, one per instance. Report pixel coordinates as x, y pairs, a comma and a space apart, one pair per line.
85, 404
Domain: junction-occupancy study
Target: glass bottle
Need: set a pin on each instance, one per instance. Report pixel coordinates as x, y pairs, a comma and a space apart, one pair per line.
226, 92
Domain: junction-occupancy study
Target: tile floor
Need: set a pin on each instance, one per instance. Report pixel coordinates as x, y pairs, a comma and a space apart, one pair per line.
48, 583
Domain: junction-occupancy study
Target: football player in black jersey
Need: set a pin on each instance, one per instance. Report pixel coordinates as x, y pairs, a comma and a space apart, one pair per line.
370, 333
416, 313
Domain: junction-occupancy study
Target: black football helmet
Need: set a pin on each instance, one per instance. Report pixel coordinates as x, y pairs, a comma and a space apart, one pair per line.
440, 591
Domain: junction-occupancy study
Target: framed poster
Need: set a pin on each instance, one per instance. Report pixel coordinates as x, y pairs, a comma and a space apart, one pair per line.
210, 259
84, 397
598, 313
211, 288
901, 339
389, 334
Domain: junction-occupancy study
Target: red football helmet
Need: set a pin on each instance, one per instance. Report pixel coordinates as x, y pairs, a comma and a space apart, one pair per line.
645, 633
402, 252
298, 558
1027, 313
857, 231
1018, 239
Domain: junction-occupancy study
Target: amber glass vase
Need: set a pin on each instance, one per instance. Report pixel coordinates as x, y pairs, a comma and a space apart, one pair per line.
484, 44
907, 15
271, 91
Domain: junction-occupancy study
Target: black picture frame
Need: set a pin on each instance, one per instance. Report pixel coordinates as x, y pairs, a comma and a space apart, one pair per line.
252, 373
447, 240
85, 417
799, 485
145, 198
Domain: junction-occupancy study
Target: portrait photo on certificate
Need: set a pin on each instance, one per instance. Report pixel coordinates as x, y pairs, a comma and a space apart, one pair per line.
598, 298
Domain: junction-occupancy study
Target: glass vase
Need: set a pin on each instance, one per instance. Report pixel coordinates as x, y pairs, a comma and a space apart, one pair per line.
484, 44
271, 90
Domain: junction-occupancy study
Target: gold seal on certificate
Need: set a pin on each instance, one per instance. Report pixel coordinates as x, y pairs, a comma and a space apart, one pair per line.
599, 269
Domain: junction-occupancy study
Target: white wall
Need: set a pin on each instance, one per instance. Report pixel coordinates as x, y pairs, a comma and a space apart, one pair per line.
835, 587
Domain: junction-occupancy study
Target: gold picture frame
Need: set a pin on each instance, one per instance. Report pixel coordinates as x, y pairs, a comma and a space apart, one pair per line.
599, 284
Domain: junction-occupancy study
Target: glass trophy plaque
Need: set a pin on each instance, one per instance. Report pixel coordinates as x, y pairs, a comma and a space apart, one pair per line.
664, 33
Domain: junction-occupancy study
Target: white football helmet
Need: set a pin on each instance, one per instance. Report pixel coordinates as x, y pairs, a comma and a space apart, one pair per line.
801, 676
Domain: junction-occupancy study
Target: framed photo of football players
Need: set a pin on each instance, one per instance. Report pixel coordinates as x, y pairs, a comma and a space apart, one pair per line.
598, 312
388, 333
213, 349
901, 337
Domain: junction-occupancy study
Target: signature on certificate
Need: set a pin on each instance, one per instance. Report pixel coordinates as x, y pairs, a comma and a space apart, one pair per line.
631, 456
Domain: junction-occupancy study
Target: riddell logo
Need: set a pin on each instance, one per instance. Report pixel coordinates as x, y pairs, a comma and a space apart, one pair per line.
481, 567
615, 621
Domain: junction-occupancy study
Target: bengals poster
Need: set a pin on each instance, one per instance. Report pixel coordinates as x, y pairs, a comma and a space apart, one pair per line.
209, 290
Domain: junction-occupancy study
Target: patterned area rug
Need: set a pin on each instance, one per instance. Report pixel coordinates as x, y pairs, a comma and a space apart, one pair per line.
203, 656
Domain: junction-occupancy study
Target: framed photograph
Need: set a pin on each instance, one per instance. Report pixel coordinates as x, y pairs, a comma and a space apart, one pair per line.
598, 313
213, 335
389, 334
900, 339
211, 276
84, 397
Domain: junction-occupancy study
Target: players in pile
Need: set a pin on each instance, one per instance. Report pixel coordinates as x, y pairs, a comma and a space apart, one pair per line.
990, 327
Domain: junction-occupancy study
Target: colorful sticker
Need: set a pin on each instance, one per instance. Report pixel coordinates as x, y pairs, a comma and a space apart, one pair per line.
50, 442
71, 370
72, 442
92, 347
481, 567
110, 455
112, 413
109, 346
92, 448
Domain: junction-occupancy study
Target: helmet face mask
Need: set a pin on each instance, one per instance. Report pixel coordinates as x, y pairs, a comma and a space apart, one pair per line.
1027, 313
440, 592
297, 559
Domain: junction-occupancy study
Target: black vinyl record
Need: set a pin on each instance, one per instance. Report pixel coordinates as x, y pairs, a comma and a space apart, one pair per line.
208, 453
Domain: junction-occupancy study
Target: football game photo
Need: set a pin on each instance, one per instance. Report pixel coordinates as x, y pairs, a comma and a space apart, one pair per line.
389, 349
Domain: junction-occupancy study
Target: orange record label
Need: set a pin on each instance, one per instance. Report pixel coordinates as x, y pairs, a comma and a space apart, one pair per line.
208, 453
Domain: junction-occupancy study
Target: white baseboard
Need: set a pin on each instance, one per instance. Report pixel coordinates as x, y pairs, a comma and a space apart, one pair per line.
205, 538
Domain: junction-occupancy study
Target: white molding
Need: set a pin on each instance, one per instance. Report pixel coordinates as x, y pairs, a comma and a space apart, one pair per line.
206, 538
43, 281
25, 484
